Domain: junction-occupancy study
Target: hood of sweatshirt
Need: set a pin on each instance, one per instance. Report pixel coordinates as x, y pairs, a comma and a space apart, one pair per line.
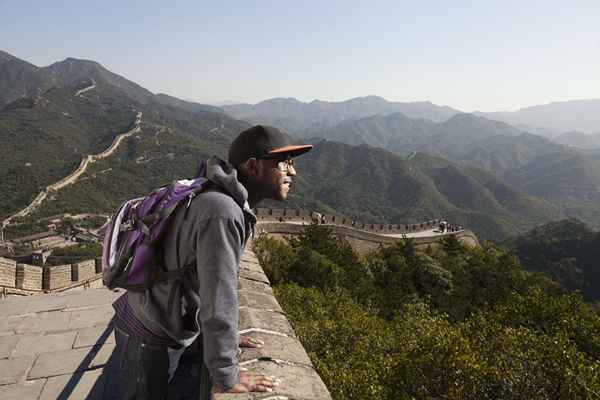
224, 175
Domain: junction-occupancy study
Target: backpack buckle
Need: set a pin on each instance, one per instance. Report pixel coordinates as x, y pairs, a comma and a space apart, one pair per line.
126, 226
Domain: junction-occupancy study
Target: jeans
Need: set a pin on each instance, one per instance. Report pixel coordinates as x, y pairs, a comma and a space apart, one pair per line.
144, 370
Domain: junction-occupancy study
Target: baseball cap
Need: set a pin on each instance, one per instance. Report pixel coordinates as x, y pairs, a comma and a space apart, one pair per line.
262, 141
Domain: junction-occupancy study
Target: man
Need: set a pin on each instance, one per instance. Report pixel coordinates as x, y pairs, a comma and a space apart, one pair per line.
209, 234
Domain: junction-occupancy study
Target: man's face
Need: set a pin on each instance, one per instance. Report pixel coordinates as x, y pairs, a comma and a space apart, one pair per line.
277, 178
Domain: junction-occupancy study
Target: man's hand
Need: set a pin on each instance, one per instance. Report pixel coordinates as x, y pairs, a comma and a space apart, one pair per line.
253, 382
247, 341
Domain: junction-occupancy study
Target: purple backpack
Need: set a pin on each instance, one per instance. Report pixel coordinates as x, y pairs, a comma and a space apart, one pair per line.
131, 252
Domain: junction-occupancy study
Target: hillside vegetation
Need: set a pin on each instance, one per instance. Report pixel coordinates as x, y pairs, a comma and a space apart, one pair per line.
568, 251
451, 323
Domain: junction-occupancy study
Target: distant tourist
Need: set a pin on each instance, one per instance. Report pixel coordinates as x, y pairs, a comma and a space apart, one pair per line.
154, 326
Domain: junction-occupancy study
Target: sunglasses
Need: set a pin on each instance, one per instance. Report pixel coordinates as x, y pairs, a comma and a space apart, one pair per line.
284, 165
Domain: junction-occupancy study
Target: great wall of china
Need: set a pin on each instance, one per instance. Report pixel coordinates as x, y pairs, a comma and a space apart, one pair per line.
21, 278
72, 178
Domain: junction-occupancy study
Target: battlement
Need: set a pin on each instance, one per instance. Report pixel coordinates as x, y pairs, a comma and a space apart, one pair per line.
305, 216
18, 278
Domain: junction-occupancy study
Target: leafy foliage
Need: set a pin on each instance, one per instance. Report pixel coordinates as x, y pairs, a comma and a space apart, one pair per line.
450, 322
568, 251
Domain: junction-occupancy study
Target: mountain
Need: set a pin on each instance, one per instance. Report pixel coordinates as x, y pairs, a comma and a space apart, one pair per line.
19, 78
568, 179
563, 116
372, 184
306, 118
190, 106
44, 136
579, 140
464, 138
395, 132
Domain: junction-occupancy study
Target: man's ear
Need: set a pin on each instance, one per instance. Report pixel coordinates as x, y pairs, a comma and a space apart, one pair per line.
253, 167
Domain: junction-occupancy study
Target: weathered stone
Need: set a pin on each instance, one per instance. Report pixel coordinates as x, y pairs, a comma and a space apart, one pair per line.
32, 345
259, 300
8, 272
277, 347
89, 298
70, 361
95, 336
13, 370
271, 321
57, 276
250, 266
45, 322
7, 344
254, 275
87, 385
29, 277
8, 325
43, 303
23, 390
253, 286
91, 317
12, 307
297, 382
83, 270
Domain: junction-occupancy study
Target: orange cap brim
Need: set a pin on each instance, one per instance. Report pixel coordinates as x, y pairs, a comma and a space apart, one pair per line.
295, 150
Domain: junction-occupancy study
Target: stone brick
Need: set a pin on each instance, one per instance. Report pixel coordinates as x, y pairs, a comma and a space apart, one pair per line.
38, 344
259, 300
254, 275
71, 361
13, 370
94, 336
277, 347
44, 322
29, 277
8, 272
297, 382
83, 270
253, 286
57, 276
23, 390
7, 344
271, 321
87, 385
91, 317
46, 303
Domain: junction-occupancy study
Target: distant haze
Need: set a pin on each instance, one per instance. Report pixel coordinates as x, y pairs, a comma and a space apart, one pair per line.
486, 56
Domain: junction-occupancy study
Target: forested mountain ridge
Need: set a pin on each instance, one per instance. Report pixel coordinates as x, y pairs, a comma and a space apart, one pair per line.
463, 138
372, 184
78, 108
307, 118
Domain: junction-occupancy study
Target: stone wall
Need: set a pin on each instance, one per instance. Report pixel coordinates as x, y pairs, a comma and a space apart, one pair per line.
15, 275
8, 272
57, 276
362, 241
83, 270
305, 216
29, 277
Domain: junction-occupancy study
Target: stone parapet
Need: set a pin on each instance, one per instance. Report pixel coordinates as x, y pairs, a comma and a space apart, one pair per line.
29, 277
57, 276
83, 270
8, 272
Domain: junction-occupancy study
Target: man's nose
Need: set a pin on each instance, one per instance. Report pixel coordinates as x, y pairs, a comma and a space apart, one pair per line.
291, 170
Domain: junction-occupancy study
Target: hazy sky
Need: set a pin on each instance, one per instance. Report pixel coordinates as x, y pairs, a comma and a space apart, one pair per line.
472, 55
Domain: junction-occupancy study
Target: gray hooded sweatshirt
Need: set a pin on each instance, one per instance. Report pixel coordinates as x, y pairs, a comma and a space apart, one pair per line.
208, 237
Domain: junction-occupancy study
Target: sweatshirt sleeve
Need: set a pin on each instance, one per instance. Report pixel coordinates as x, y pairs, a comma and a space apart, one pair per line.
219, 245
